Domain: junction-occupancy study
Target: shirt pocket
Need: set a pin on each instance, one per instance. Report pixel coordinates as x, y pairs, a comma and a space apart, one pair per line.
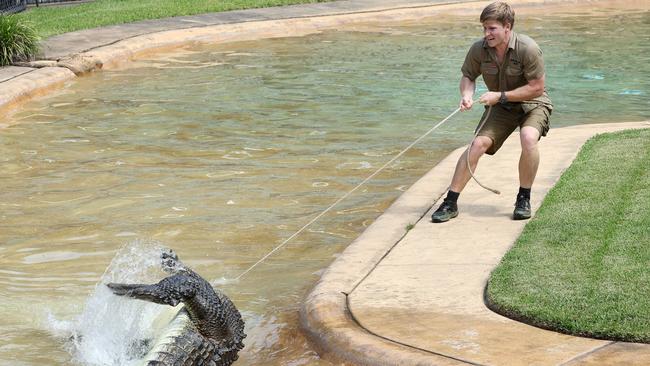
490, 73
515, 76
514, 70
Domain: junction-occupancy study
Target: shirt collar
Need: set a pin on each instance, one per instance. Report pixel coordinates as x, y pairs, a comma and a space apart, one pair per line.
511, 42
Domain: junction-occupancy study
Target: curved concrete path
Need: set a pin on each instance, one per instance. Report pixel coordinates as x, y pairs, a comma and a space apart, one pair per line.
416, 298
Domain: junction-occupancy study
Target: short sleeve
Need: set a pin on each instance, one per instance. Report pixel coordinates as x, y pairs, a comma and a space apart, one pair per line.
533, 63
472, 66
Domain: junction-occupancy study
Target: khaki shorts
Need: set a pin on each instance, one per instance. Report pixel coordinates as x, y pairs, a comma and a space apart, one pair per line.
504, 120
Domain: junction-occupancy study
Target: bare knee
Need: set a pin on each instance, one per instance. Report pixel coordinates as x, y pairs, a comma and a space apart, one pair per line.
529, 137
480, 145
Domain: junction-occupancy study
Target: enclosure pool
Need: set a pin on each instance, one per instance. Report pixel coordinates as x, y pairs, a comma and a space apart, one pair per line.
221, 152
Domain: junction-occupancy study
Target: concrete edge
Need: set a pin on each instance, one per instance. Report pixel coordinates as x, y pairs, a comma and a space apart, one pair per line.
34, 83
325, 316
120, 53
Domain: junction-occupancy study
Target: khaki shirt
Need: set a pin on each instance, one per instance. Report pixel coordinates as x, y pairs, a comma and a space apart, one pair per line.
523, 61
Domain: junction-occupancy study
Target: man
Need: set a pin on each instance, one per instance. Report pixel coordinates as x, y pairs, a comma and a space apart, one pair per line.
513, 70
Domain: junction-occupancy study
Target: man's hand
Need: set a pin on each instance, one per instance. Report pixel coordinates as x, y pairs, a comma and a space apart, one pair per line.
490, 98
466, 103
467, 88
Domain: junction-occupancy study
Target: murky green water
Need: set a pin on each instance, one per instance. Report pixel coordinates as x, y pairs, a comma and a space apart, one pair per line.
222, 152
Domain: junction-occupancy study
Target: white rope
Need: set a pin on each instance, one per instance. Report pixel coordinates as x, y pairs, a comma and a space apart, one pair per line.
347, 194
469, 147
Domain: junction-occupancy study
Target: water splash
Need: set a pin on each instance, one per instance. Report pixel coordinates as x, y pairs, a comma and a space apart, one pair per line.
112, 330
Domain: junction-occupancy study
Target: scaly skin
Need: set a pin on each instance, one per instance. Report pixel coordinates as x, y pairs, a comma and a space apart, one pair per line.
216, 331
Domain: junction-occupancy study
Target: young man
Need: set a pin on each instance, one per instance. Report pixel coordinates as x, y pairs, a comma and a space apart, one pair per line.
513, 71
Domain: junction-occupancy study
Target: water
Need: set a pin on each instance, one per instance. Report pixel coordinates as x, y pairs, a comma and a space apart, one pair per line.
222, 152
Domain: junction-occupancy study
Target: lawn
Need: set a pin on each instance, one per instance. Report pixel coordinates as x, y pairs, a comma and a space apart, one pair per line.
582, 265
52, 20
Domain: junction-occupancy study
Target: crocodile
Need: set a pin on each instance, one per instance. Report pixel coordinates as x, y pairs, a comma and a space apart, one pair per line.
208, 330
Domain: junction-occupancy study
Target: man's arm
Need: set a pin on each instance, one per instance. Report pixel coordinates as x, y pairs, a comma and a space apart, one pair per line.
467, 88
533, 89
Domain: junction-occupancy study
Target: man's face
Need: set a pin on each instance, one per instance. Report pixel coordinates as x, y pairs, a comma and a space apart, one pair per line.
496, 33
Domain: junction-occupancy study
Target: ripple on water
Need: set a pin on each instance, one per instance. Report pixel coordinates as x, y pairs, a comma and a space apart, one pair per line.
125, 234
224, 174
54, 256
172, 216
631, 92
201, 65
237, 155
96, 129
13, 168
355, 165
261, 332
593, 76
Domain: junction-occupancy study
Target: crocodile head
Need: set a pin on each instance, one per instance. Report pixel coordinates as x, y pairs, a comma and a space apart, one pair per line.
170, 263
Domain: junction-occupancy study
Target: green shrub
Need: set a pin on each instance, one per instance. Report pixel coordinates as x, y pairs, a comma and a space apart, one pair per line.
18, 40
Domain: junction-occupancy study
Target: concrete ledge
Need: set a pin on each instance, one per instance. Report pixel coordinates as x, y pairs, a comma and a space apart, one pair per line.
11, 72
33, 83
121, 52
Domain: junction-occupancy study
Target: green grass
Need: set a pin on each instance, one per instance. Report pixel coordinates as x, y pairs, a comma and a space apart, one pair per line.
582, 265
52, 20
18, 40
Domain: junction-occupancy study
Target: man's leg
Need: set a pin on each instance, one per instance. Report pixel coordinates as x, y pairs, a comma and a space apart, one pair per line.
528, 164
461, 175
529, 159
449, 209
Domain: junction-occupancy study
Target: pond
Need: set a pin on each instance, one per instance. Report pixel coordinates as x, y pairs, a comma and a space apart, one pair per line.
222, 152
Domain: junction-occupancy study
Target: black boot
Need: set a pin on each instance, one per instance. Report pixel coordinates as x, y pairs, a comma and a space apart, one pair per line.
447, 211
522, 208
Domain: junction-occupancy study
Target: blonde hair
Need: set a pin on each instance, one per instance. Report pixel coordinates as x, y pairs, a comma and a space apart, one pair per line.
499, 11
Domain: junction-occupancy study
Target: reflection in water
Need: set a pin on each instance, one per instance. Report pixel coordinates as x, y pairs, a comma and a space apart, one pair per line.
222, 152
